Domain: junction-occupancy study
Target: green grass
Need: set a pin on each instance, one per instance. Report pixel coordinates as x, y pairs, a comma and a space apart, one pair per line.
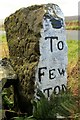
72, 50
3, 38
73, 27
73, 62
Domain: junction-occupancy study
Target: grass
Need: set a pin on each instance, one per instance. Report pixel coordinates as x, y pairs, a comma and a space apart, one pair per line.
73, 25
4, 52
3, 38
72, 50
73, 63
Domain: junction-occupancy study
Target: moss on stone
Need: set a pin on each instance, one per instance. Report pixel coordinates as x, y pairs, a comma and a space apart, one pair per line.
23, 34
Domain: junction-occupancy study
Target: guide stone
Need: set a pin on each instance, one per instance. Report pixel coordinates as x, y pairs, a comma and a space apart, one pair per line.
51, 73
37, 48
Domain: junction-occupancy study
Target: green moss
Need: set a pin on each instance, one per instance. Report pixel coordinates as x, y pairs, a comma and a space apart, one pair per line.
23, 33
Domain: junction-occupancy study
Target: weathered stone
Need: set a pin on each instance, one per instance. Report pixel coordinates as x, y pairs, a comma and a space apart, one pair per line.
23, 34
8, 76
51, 71
27, 32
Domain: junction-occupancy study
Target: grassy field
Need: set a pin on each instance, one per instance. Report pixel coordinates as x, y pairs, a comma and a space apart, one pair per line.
72, 50
72, 69
73, 25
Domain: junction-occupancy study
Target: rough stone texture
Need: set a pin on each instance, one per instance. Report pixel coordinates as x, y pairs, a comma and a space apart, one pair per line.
23, 32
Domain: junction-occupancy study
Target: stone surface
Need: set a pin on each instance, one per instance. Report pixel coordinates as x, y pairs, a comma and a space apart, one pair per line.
36, 38
8, 75
51, 72
23, 34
